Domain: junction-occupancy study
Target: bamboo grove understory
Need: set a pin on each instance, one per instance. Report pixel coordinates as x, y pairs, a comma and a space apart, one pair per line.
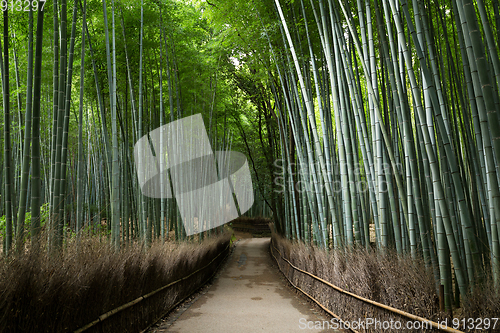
367, 123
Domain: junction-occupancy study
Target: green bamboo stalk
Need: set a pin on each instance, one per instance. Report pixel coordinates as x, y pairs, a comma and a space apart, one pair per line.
310, 115
56, 219
35, 147
115, 181
462, 279
27, 140
141, 198
55, 109
64, 146
80, 199
7, 143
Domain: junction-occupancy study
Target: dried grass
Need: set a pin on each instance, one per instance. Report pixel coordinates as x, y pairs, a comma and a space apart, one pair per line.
483, 303
40, 294
386, 278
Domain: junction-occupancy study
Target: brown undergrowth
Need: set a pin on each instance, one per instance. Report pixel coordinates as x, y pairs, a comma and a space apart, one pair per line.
257, 226
385, 278
483, 303
40, 294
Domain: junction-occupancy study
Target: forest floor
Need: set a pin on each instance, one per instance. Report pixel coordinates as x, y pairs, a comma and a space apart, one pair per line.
249, 295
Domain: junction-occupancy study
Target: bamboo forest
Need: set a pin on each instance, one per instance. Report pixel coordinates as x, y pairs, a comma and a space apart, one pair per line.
370, 128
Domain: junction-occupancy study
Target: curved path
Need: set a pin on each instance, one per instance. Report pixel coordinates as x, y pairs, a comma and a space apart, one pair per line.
250, 295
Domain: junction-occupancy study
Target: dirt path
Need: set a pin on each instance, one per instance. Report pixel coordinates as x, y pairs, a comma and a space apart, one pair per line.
248, 296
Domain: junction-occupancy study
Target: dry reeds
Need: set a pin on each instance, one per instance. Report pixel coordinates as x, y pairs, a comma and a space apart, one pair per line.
40, 294
385, 278
483, 303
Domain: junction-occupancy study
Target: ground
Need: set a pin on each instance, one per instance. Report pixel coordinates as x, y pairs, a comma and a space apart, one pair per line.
248, 295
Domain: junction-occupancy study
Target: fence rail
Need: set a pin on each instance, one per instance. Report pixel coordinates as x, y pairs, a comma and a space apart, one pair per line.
110, 313
366, 300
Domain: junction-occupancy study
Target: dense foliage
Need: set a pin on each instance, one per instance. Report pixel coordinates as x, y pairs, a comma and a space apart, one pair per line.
365, 123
